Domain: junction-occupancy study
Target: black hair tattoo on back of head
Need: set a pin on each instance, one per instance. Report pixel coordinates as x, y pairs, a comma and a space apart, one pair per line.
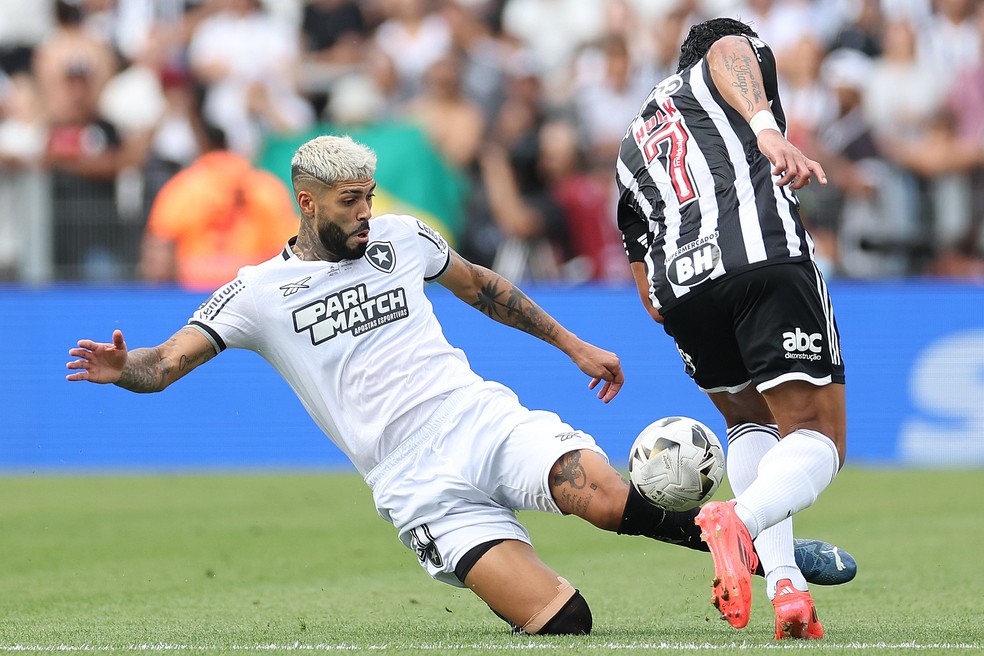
703, 35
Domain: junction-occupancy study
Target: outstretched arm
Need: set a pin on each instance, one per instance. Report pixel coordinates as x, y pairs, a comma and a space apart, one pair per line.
738, 78
492, 294
143, 369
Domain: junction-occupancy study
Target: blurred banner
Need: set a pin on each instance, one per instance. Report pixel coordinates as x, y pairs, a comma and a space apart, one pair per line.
914, 353
412, 177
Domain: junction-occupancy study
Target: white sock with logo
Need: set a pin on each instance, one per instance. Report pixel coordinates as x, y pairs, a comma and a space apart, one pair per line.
790, 478
747, 445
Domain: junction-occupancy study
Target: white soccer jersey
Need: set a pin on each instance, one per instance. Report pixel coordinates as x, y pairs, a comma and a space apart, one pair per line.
357, 340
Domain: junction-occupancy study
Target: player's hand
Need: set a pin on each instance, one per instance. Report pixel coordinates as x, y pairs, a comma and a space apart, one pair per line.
793, 167
98, 362
601, 365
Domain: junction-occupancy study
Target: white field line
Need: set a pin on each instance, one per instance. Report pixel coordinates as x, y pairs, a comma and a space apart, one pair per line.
606, 646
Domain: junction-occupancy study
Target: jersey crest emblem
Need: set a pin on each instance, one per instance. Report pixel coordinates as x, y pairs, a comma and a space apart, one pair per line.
382, 256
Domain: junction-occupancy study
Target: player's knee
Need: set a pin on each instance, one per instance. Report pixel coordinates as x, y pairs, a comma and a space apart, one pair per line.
572, 618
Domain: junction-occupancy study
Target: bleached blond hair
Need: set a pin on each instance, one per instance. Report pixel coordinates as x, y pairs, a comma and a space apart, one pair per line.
330, 159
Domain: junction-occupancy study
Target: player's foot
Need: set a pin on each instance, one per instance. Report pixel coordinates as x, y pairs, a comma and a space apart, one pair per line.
822, 563
796, 616
734, 560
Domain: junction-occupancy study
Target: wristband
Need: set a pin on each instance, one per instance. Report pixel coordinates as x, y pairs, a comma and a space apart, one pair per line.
763, 120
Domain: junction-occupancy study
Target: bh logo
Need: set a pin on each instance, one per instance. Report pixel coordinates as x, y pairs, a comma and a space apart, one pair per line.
691, 266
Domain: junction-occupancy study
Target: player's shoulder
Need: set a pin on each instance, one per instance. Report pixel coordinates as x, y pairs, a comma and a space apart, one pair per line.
402, 224
393, 222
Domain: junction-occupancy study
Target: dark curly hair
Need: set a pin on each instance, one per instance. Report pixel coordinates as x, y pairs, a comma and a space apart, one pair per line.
702, 35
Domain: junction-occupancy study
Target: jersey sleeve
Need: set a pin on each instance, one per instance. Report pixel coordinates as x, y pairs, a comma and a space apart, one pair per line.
767, 62
434, 248
227, 317
635, 229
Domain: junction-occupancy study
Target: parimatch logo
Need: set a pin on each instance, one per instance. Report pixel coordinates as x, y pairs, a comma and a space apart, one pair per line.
350, 310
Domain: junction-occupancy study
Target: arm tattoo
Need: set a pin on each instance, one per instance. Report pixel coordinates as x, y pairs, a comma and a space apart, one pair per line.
507, 304
189, 362
144, 371
151, 369
746, 82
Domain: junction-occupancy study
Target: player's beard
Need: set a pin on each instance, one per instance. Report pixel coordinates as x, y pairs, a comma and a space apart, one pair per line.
334, 239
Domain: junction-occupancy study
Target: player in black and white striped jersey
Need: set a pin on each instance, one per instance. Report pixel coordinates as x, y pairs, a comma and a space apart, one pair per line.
722, 259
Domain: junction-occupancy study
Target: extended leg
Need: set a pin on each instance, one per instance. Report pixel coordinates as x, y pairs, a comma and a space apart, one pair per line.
524, 591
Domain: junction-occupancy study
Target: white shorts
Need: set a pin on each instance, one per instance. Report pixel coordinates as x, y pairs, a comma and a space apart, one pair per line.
457, 482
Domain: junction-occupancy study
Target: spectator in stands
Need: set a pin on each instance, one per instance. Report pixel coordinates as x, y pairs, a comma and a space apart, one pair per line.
412, 37
584, 190
248, 62
951, 42
455, 124
807, 102
68, 46
861, 30
553, 31
668, 34
530, 221
608, 85
900, 118
782, 24
176, 140
22, 26
22, 135
966, 105
85, 154
335, 36
512, 214
214, 217
482, 56
852, 219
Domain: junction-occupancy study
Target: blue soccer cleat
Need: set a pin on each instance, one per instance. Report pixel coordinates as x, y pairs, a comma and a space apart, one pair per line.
822, 563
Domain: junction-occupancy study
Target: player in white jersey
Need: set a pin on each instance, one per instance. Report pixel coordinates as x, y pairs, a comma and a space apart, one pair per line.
342, 315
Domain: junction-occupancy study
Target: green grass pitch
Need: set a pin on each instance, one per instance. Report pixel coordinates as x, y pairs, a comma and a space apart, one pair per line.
300, 563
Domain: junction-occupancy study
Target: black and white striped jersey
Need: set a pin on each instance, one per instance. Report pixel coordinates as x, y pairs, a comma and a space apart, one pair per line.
697, 201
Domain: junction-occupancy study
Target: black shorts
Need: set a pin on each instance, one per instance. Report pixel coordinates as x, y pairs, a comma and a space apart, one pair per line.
766, 325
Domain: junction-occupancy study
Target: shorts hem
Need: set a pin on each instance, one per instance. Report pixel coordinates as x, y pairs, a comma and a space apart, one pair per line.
732, 389
785, 378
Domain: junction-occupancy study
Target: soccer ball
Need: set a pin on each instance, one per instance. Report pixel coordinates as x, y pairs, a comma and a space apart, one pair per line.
677, 463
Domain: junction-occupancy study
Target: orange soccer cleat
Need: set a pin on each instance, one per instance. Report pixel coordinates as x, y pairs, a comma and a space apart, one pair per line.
734, 560
796, 616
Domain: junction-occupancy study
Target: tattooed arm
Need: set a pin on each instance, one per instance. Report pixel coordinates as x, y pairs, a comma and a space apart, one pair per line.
498, 298
143, 369
738, 78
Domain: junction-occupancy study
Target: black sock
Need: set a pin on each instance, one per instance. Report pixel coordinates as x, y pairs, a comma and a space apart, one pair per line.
641, 517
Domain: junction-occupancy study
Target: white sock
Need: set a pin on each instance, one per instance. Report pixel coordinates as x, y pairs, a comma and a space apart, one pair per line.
747, 445
790, 478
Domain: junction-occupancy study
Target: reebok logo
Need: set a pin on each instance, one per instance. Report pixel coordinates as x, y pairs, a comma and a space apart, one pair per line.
802, 346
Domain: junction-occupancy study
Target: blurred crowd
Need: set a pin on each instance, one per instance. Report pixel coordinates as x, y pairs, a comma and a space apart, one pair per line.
130, 129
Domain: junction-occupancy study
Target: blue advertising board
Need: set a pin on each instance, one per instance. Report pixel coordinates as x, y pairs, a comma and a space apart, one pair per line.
914, 352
